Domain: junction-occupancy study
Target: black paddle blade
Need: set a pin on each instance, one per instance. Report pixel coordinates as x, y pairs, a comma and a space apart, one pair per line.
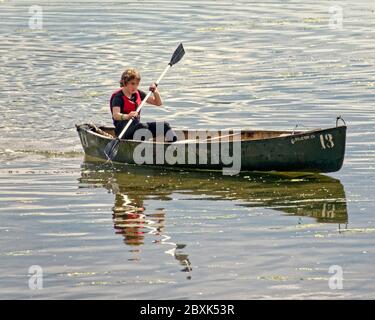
111, 149
177, 55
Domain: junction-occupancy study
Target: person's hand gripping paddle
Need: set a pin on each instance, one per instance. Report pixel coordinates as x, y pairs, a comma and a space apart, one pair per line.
111, 148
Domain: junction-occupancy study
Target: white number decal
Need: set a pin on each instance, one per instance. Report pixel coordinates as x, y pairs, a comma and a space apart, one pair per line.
328, 210
327, 141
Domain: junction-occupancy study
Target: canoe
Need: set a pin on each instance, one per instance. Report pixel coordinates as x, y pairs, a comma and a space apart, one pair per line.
232, 151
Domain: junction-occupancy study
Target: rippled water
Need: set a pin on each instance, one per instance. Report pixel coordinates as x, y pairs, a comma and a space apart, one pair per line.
125, 232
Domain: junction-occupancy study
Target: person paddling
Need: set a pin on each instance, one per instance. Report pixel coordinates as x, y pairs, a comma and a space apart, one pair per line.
124, 102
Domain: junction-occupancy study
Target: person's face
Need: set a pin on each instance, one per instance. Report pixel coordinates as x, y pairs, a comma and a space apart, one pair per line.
132, 85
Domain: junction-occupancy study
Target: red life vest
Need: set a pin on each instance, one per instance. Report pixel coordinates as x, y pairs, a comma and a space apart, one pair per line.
129, 105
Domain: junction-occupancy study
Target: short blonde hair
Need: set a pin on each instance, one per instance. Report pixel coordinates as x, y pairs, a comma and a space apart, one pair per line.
129, 75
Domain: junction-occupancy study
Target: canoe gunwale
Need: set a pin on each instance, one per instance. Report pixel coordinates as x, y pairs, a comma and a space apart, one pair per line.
289, 134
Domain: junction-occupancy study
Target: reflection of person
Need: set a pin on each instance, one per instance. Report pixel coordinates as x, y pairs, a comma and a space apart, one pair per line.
129, 221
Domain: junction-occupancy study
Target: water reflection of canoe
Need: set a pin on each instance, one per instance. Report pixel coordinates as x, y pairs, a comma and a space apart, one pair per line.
310, 195
320, 150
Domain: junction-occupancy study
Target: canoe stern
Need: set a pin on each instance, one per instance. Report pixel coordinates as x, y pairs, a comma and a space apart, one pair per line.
313, 151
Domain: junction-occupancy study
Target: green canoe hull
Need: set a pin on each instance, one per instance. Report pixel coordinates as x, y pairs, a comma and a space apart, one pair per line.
320, 150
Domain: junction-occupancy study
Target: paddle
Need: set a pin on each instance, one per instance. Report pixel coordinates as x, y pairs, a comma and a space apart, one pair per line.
111, 148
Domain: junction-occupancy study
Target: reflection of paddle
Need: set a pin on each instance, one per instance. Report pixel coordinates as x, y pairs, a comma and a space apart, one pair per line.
111, 148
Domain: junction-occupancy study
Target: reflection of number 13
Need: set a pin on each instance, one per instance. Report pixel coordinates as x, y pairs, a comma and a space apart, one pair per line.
326, 141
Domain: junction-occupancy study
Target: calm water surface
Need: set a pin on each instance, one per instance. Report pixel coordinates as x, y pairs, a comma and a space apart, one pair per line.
125, 232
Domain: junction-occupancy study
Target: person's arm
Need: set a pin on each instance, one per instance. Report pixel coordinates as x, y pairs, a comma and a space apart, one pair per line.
117, 115
156, 98
117, 104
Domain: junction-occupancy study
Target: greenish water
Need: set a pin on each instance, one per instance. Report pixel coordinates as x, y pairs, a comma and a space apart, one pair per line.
132, 233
